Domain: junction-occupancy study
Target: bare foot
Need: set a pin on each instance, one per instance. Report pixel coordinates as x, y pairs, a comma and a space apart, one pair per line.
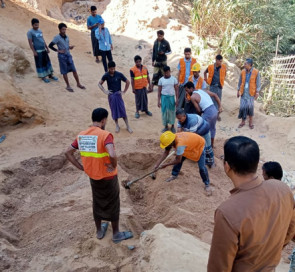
117, 129
129, 130
208, 190
241, 125
81, 86
70, 89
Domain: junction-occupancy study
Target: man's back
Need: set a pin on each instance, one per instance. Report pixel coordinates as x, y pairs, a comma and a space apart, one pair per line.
251, 227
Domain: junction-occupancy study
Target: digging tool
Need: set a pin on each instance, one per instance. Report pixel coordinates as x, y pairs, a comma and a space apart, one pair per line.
127, 185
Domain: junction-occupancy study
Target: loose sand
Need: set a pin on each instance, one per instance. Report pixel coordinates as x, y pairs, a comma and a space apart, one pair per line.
46, 208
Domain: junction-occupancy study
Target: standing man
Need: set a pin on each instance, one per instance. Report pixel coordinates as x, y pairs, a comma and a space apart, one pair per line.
167, 92
254, 224
117, 106
139, 80
40, 51
160, 51
217, 74
184, 72
188, 146
92, 24
103, 36
65, 58
99, 162
203, 104
248, 88
196, 124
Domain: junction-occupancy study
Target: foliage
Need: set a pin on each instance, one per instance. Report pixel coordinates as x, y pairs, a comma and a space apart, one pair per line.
247, 28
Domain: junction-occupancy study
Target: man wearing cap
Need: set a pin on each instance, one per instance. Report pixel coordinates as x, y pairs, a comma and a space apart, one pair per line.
248, 88
188, 145
184, 72
103, 36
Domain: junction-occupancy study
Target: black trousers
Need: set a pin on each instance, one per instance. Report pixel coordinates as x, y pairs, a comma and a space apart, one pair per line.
104, 56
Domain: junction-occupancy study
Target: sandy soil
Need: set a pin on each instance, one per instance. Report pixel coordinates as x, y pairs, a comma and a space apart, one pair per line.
46, 216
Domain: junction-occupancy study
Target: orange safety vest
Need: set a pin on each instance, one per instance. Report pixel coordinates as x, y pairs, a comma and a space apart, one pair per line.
182, 70
194, 144
252, 82
94, 154
199, 83
222, 74
140, 77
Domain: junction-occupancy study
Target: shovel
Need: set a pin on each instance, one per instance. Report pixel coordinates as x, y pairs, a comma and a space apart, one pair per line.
129, 183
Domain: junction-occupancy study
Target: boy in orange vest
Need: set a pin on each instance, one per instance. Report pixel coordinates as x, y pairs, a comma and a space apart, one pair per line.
188, 145
139, 80
248, 88
215, 79
99, 162
184, 72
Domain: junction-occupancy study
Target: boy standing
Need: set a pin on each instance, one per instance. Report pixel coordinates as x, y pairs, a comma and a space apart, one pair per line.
167, 91
40, 51
113, 79
92, 24
103, 36
65, 59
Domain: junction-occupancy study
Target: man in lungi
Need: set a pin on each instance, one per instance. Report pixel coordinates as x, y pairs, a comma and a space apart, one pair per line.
196, 124
167, 93
117, 106
99, 162
248, 88
140, 78
40, 51
188, 146
204, 106
92, 24
65, 59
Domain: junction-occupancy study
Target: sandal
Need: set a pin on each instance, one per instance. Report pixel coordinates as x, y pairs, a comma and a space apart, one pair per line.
46, 80
121, 236
251, 126
136, 115
104, 228
54, 78
69, 89
241, 125
149, 113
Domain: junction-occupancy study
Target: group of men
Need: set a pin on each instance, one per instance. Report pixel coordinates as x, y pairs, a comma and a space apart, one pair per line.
256, 222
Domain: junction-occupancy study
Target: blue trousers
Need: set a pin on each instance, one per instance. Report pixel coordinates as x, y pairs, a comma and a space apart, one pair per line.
202, 168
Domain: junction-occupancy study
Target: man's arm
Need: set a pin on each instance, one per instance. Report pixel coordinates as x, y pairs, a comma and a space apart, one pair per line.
196, 104
205, 74
132, 81
70, 156
224, 245
149, 82
126, 85
102, 88
168, 50
217, 99
176, 94
47, 49
113, 157
291, 229
154, 55
176, 161
258, 85
239, 86
159, 95
32, 47
97, 32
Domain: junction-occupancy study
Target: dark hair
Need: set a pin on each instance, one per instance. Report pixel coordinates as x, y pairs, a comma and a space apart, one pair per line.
61, 25
187, 50
166, 68
180, 112
249, 61
242, 155
92, 8
99, 114
136, 58
189, 85
111, 64
273, 169
219, 57
160, 32
35, 21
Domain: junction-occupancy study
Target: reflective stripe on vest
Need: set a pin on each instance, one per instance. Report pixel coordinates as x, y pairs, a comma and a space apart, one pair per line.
222, 73
94, 155
140, 77
182, 71
252, 82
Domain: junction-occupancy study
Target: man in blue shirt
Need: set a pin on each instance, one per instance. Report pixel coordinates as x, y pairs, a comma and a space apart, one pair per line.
103, 36
92, 24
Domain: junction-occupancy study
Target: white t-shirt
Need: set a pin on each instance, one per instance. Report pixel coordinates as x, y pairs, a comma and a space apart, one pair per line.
168, 85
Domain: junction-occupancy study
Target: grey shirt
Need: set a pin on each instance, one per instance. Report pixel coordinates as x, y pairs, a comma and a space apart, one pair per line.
37, 38
63, 43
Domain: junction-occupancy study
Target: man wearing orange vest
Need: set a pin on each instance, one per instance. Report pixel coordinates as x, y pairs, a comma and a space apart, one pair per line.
216, 77
184, 72
139, 80
248, 88
188, 145
99, 162
199, 82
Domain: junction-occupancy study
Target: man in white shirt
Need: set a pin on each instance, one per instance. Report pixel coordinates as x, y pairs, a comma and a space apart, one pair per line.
168, 98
